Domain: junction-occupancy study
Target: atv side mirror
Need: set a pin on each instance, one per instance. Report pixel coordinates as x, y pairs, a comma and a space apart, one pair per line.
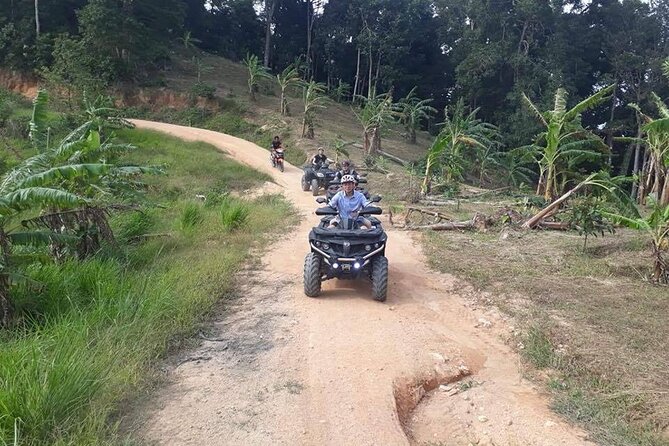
375, 199
321, 200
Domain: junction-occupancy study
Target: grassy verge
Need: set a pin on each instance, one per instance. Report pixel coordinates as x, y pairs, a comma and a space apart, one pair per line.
591, 321
229, 119
90, 334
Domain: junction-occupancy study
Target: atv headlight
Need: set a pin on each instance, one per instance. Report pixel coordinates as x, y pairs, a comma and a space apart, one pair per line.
376, 245
368, 247
317, 243
320, 175
325, 246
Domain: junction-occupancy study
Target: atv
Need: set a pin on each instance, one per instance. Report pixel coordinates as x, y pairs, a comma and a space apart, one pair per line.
317, 177
347, 252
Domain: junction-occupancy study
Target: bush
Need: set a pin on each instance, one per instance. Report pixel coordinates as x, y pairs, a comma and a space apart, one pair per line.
134, 224
203, 90
233, 213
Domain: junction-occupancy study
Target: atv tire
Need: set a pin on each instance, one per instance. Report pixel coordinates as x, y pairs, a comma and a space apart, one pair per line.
379, 278
314, 187
312, 275
305, 185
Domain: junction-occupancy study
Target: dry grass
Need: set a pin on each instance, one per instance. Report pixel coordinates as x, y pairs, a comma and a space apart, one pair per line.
589, 315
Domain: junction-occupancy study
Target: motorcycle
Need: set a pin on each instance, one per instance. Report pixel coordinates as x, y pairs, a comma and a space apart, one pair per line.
277, 158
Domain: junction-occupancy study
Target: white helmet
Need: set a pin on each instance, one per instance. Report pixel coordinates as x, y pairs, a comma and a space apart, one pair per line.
347, 179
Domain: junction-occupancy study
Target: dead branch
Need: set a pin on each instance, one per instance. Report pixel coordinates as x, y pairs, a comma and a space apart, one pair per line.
428, 212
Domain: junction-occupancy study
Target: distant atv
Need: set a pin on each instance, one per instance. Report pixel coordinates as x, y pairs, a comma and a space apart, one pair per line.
347, 252
335, 185
317, 177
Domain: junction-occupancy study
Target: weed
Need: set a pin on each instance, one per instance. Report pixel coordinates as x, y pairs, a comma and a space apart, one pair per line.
233, 213
191, 216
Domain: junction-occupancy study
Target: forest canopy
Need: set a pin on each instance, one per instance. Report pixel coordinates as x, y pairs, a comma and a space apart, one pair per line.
485, 52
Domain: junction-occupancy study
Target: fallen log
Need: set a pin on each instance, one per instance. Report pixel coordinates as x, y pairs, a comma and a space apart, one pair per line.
393, 158
557, 225
448, 226
438, 202
534, 221
431, 213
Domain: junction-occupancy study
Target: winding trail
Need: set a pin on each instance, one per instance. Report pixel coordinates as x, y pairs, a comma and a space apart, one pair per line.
281, 368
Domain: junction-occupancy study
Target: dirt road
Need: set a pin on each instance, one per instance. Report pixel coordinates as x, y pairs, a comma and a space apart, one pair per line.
281, 368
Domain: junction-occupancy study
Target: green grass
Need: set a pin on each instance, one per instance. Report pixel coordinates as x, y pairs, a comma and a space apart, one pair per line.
89, 335
590, 320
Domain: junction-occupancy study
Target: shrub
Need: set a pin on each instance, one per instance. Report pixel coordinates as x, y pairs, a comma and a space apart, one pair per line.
203, 90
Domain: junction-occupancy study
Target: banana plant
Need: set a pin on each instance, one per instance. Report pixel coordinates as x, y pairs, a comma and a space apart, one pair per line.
460, 130
314, 98
412, 111
565, 142
654, 175
289, 77
656, 226
256, 72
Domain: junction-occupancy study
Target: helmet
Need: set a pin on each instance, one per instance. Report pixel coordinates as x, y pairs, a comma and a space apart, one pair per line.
321, 150
346, 163
347, 179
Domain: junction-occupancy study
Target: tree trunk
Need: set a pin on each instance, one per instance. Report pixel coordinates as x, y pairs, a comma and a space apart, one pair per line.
357, 77
378, 72
663, 197
5, 302
37, 30
269, 16
375, 146
609, 130
637, 158
369, 78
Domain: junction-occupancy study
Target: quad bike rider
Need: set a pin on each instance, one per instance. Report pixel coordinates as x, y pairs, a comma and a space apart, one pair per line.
277, 153
335, 184
317, 174
342, 249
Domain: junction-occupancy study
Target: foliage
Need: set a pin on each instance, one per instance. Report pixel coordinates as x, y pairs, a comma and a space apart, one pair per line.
656, 226
202, 90
565, 143
256, 72
62, 194
412, 111
191, 216
234, 213
460, 130
586, 215
338, 146
377, 112
91, 329
314, 98
289, 77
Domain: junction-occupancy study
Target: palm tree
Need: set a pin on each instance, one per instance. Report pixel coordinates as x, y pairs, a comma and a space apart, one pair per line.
412, 111
563, 139
460, 130
287, 78
256, 72
314, 99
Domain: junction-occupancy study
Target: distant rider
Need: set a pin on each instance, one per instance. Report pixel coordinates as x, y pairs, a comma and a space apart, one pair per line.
348, 202
319, 159
274, 146
346, 169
